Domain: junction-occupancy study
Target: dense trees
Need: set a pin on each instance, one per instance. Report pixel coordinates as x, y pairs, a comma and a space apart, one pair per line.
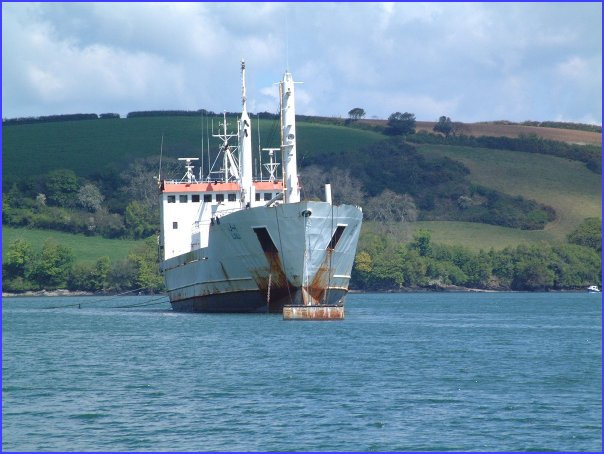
90, 198
18, 265
51, 118
401, 124
140, 222
145, 260
26, 269
589, 234
54, 267
61, 187
90, 277
344, 188
384, 264
444, 126
389, 206
356, 113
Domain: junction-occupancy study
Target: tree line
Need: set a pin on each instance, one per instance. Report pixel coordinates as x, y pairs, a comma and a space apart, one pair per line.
448, 132
53, 267
381, 264
385, 264
562, 125
54, 118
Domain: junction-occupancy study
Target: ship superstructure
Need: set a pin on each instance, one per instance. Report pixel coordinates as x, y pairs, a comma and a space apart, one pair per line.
234, 241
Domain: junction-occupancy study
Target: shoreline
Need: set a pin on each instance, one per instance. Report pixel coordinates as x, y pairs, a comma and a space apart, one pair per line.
58, 292
450, 289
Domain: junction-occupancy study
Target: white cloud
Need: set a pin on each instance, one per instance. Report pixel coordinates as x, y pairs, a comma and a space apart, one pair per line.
578, 69
470, 61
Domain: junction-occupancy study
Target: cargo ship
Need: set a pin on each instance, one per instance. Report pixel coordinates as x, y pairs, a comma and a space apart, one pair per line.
235, 240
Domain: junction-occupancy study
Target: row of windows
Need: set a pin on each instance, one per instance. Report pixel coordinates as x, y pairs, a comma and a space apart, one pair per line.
184, 198
206, 198
267, 196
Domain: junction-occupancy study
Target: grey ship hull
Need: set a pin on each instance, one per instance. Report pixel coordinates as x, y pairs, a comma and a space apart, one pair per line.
260, 259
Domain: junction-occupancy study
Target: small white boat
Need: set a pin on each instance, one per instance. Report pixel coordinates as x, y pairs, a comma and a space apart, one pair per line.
593, 289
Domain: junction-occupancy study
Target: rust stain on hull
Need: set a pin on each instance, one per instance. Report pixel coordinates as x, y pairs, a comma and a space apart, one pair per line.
315, 305
281, 291
316, 292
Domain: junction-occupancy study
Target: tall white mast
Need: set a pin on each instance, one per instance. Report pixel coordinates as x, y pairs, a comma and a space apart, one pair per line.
245, 143
288, 137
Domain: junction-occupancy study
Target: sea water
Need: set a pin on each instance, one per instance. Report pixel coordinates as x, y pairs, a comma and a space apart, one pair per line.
402, 372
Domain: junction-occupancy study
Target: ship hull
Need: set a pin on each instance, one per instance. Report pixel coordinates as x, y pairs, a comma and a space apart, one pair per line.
260, 259
248, 302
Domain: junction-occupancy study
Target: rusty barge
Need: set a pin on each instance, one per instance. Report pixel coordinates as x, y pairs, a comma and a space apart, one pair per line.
235, 241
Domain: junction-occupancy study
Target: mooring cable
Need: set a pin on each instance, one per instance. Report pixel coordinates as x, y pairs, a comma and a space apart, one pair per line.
150, 302
98, 300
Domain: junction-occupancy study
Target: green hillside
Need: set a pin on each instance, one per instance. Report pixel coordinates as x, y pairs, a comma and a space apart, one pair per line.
568, 186
89, 146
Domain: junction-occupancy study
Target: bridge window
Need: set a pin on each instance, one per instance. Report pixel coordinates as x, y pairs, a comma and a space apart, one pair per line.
175, 225
207, 197
171, 199
257, 197
220, 197
183, 198
195, 198
232, 197
268, 195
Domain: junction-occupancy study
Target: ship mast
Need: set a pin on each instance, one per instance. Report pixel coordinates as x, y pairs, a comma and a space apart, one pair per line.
245, 144
229, 166
288, 139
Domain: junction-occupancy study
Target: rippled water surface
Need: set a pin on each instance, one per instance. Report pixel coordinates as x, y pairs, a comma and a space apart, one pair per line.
402, 372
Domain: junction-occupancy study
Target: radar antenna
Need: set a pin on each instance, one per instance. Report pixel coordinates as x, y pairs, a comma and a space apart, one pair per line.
189, 175
272, 165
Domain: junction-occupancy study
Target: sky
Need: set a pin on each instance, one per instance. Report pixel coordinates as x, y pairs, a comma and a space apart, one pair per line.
468, 61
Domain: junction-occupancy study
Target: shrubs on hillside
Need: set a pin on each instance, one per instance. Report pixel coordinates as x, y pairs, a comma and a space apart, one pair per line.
384, 264
51, 118
563, 125
62, 201
588, 234
439, 187
54, 266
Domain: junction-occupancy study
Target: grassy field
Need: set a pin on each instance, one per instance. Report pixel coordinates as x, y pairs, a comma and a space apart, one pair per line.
568, 186
479, 236
85, 248
472, 235
90, 145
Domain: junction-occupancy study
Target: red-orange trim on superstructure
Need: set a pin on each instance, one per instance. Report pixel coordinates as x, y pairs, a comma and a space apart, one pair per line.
217, 187
267, 185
